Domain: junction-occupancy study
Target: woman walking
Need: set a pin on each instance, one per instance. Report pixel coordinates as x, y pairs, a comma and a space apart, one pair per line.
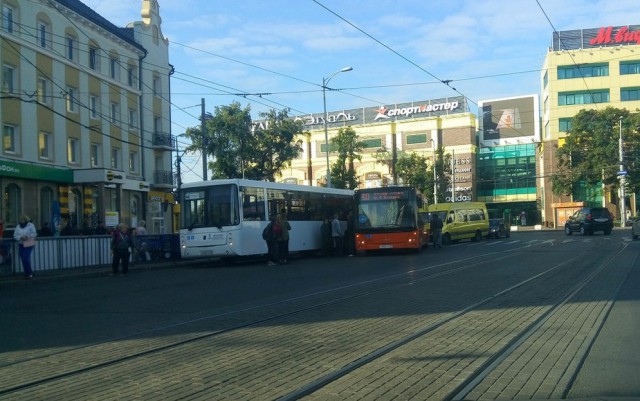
25, 233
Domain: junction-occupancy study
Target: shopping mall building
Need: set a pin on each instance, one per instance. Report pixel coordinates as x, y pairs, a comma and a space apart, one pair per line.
505, 154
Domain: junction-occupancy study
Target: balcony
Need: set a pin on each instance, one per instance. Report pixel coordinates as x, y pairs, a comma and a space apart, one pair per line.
163, 141
163, 179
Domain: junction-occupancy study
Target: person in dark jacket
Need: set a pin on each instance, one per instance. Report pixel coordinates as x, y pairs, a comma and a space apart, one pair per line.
269, 237
121, 246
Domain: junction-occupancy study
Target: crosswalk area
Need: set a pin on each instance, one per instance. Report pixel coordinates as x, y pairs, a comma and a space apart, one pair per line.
551, 241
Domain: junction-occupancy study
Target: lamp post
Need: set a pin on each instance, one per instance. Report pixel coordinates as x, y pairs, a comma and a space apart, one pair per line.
435, 174
622, 173
325, 81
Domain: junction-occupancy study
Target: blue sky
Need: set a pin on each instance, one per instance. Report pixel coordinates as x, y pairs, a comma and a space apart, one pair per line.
400, 51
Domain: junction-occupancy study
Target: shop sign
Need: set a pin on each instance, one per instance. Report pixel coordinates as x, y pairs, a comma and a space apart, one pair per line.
35, 172
383, 112
606, 36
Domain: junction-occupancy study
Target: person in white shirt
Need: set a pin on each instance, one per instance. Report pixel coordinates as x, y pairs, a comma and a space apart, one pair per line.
25, 233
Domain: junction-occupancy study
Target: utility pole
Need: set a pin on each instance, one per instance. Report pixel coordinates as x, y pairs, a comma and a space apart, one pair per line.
622, 174
203, 128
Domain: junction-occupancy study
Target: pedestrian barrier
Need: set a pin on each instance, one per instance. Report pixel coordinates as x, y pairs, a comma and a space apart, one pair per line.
55, 253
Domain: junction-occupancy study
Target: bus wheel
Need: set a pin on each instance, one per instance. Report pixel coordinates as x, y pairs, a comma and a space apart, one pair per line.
478, 236
446, 239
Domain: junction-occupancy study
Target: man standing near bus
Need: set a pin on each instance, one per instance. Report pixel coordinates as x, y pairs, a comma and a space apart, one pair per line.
337, 235
435, 226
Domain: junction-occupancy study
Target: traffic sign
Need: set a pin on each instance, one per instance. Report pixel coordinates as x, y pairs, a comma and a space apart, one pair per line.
623, 172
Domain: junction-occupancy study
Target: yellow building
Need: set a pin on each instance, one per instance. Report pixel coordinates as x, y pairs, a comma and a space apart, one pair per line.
85, 116
583, 69
414, 127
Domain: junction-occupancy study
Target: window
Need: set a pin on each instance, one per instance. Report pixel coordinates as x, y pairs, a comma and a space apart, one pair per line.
71, 100
156, 85
114, 113
95, 155
8, 79
9, 139
114, 68
70, 47
629, 94
46, 202
133, 119
565, 124
94, 106
94, 58
131, 75
73, 155
133, 162
8, 18
12, 204
42, 35
43, 90
416, 138
115, 158
157, 125
545, 79
629, 67
583, 71
372, 143
594, 96
45, 145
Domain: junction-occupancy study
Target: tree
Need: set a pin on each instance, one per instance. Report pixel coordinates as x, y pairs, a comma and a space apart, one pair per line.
413, 170
343, 174
274, 145
241, 149
590, 155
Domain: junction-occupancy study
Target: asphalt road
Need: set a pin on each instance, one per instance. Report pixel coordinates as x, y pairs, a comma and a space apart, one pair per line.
539, 315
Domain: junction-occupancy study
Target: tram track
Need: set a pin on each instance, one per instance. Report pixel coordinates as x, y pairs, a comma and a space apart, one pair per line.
314, 305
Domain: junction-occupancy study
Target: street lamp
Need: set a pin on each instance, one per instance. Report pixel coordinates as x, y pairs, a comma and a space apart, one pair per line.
325, 81
435, 175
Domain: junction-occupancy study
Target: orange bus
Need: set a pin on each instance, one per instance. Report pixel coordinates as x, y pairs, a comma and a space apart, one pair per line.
388, 218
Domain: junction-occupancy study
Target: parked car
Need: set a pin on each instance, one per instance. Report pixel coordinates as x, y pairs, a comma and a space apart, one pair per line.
588, 220
635, 228
499, 228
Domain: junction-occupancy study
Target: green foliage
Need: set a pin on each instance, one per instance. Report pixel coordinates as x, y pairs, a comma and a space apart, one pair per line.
590, 154
349, 148
241, 150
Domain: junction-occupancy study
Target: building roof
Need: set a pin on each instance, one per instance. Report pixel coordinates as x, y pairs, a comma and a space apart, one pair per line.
126, 34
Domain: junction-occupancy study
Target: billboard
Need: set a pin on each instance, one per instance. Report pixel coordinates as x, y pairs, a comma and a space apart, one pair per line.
502, 120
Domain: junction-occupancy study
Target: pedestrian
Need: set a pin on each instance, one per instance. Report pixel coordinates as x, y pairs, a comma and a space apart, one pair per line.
45, 230
435, 226
121, 246
336, 235
141, 229
350, 236
283, 237
269, 236
325, 235
25, 233
101, 229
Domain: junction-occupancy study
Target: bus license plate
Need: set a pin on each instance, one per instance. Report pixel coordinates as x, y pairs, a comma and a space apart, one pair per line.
386, 246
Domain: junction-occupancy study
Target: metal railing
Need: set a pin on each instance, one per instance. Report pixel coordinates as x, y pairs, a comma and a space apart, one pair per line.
56, 253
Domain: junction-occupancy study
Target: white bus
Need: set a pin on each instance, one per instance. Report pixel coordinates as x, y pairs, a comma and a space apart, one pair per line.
225, 218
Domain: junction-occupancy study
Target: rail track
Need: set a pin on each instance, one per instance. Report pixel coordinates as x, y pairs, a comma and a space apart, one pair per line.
340, 341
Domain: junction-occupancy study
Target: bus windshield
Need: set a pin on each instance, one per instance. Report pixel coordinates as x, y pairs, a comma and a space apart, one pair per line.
391, 209
215, 206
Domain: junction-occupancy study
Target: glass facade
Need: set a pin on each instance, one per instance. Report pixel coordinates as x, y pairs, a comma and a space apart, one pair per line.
507, 181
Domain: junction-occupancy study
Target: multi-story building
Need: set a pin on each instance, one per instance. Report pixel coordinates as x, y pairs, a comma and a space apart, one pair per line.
584, 69
415, 127
85, 114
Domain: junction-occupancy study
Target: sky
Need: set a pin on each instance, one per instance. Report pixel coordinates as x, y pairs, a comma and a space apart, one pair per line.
274, 54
